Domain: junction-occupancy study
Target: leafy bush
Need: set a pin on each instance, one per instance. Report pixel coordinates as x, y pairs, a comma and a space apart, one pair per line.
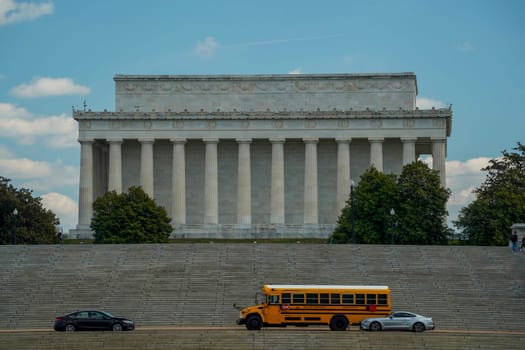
131, 217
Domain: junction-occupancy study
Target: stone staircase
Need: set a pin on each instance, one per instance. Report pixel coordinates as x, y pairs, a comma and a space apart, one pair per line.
476, 288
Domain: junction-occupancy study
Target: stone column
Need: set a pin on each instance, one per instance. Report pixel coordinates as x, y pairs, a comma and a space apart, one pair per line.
376, 152
146, 166
343, 172
438, 158
211, 187
409, 150
115, 165
244, 188
85, 195
310, 181
178, 183
277, 187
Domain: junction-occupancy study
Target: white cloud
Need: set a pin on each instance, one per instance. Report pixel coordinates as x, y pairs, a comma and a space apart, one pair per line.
469, 167
296, 71
10, 111
462, 179
45, 86
35, 174
40, 176
206, 48
12, 11
47, 180
60, 176
65, 208
428, 103
23, 168
55, 131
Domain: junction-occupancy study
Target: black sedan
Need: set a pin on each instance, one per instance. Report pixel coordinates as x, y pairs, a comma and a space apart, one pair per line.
92, 320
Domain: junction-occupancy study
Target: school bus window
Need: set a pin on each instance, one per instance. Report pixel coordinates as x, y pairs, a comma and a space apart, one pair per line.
348, 298
371, 299
360, 299
323, 298
382, 299
312, 298
298, 298
273, 299
335, 299
286, 298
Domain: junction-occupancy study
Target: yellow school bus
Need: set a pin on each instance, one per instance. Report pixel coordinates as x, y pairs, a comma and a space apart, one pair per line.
303, 305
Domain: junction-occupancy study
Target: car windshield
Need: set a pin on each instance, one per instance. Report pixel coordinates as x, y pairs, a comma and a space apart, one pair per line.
107, 314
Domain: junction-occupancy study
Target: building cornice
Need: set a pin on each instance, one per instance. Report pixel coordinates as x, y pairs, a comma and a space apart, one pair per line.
234, 115
443, 116
260, 77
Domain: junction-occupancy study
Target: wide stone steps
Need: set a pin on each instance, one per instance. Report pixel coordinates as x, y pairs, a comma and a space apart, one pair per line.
478, 288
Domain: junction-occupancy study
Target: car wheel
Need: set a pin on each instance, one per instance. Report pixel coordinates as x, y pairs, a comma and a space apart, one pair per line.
117, 327
375, 326
70, 328
418, 327
253, 323
339, 323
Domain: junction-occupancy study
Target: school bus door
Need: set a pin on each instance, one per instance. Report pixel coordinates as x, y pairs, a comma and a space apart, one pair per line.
272, 311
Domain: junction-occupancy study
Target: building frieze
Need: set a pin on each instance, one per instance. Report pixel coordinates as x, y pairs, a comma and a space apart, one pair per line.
252, 115
250, 87
166, 84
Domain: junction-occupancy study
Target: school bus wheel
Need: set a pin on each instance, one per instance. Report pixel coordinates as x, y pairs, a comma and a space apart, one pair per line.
339, 323
253, 323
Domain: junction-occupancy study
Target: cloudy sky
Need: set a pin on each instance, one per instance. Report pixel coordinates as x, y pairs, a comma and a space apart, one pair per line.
56, 54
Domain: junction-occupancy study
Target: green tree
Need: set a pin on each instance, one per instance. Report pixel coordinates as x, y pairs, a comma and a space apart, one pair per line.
33, 223
422, 210
375, 196
500, 201
131, 217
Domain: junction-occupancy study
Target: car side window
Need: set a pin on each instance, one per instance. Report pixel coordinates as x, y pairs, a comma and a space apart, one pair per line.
82, 314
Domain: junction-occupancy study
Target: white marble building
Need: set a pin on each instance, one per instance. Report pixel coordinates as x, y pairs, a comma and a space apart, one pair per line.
253, 155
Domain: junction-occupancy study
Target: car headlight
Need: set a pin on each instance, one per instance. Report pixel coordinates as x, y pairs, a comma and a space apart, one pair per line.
128, 322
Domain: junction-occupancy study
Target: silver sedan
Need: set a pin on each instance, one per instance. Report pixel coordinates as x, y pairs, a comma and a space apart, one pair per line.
400, 320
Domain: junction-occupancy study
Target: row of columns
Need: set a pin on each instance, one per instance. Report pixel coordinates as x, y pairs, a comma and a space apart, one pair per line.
211, 200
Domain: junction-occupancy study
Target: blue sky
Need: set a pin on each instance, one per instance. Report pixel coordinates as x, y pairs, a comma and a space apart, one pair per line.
56, 54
